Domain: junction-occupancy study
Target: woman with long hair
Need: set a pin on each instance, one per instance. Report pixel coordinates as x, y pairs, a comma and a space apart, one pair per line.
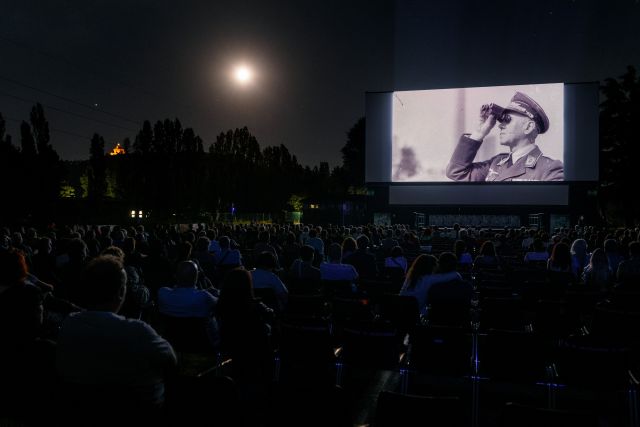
462, 254
560, 259
488, 257
415, 284
598, 274
579, 256
349, 246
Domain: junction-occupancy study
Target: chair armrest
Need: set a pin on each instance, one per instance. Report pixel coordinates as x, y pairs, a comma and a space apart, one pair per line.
552, 373
222, 363
337, 352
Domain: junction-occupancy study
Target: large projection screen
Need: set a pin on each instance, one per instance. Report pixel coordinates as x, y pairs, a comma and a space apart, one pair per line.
428, 124
412, 137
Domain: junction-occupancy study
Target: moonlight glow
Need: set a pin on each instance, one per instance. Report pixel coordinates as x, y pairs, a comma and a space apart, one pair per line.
243, 75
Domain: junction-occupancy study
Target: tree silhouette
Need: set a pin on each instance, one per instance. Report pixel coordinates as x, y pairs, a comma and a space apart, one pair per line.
619, 146
49, 175
27, 141
10, 165
97, 169
353, 154
40, 127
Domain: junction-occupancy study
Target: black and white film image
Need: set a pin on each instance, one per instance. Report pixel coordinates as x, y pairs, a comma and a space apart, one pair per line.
483, 134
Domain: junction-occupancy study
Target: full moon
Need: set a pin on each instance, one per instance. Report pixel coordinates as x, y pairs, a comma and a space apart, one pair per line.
243, 75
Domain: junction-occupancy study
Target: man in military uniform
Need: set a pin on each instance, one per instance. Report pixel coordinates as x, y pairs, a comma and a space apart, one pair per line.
520, 123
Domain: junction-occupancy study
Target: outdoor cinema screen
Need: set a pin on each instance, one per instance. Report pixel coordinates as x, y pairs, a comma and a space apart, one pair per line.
431, 147
483, 134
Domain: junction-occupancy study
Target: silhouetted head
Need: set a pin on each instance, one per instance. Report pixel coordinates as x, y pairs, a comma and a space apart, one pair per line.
579, 247
488, 249
104, 284
599, 260
560, 256
447, 262
186, 274
114, 251
13, 267
307, 253
397, 252
225, 242
236, 289
610, 246
202, 244
538, 245
266, 261
77, 250
335, 252
349, 245
422, 266
363, 242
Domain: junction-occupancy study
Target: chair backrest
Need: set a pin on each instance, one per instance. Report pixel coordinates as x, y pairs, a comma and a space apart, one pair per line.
297, 286
551, 319
398, 410
501, 313
306, 306
268, 297
516, 415
614, 325
588, 362
627, 297
305, 341
442, 350
186, 334
449, 312
514, 356
401, 310
332, 288
395, 275
371, 344
103, 405
350, 308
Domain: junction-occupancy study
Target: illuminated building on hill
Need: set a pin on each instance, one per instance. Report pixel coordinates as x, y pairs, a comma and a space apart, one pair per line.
117, 150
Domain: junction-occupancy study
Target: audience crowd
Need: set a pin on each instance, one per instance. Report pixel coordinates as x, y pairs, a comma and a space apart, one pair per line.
95, 316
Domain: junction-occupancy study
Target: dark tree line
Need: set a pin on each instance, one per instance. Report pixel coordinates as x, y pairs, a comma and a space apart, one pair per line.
167, 169
620, 148
30, 176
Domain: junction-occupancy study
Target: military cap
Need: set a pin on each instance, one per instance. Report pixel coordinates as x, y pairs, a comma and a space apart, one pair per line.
524, 104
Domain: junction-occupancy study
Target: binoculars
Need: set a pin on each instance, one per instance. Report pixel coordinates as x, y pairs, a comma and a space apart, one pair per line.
497, 111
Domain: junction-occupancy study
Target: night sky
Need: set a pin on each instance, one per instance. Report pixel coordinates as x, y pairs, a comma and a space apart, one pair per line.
127, 61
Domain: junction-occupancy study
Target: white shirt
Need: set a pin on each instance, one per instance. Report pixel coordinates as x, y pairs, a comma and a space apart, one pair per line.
399, 262
331, 271
266, 279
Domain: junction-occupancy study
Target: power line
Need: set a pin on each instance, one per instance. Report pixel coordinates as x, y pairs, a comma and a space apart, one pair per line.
69, 100
68, 112
104, 76
13, 119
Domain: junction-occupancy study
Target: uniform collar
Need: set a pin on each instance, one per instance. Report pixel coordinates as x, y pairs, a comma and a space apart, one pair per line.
532, 153
522, 151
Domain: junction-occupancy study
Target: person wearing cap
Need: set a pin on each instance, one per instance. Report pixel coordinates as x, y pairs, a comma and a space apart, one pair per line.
520, 123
